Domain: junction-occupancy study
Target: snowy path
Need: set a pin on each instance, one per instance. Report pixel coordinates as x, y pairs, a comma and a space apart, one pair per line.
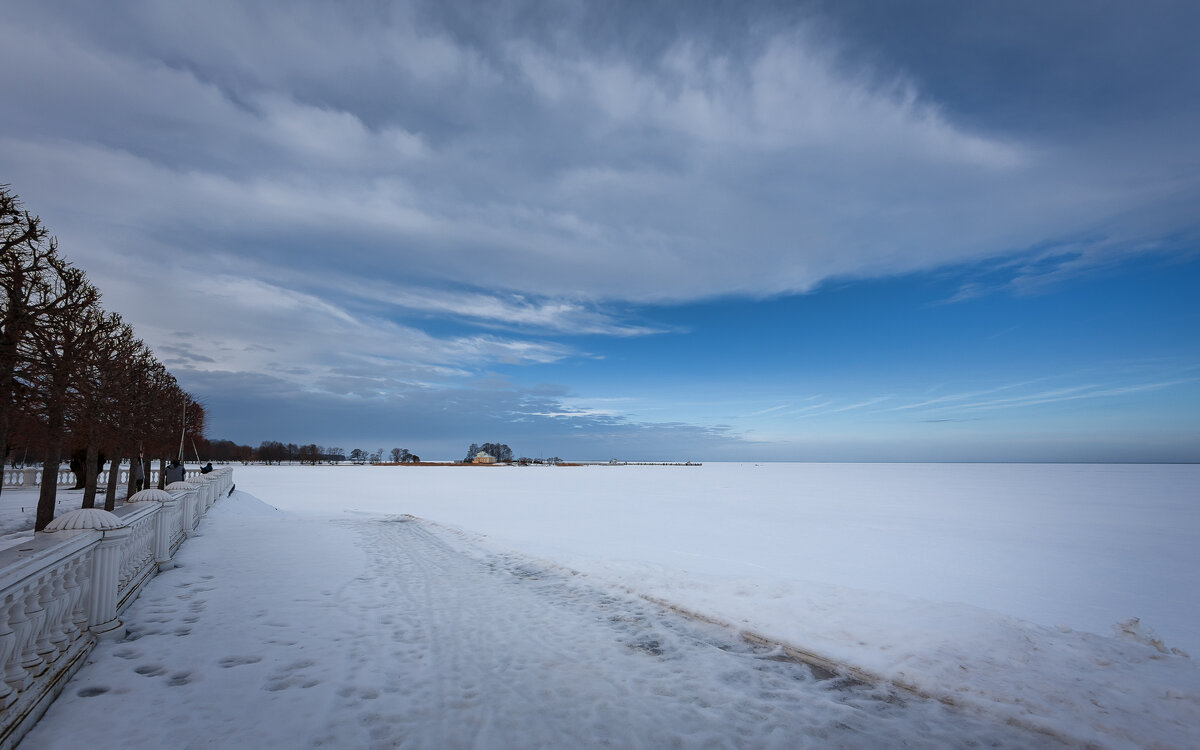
397, 633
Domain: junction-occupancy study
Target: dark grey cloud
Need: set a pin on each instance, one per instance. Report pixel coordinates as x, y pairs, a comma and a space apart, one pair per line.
1067, 67
182, 354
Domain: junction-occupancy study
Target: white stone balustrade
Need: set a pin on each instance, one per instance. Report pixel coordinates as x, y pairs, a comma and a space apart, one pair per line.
67, 587
31, 476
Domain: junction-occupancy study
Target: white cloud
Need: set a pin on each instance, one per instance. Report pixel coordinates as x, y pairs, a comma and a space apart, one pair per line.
512, 311
561, 172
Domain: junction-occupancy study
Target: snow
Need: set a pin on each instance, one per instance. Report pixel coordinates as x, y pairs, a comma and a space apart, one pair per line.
18, 509
506, 607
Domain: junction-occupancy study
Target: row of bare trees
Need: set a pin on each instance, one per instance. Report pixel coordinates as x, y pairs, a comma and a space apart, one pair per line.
275, 452
72, 374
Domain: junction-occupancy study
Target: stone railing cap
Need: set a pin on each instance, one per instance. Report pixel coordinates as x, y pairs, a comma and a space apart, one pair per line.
85, 518
152, 495
180, 486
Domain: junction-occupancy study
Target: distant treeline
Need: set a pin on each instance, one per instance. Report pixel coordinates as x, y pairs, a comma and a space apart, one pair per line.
275, 452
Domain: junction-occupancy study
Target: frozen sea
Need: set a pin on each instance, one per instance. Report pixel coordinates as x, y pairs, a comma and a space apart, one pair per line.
995, 605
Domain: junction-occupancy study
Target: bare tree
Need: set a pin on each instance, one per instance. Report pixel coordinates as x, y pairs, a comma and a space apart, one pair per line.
271, 451
309, 454
59, 346
135, 385
93, 415
29, 266
165, 418
125, 355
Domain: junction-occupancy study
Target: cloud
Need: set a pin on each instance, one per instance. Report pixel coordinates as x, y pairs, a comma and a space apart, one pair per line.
561, 170
959, 397
1073, 393
376, 200
562, 316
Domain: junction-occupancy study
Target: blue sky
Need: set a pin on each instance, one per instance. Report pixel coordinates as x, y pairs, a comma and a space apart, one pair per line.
754, 231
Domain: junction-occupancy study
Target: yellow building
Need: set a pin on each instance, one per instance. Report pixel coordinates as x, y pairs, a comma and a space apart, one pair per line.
483, 458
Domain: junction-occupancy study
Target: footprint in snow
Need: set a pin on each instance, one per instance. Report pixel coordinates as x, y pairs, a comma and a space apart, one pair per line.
283, 683
237, 661
151, 670
302, 664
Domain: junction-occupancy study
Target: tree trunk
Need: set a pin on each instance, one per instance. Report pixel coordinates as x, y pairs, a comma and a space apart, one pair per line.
50, 465
132, 488
91, 474
114, 477
162, 473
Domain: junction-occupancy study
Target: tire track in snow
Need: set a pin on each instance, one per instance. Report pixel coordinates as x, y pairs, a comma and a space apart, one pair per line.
455, 647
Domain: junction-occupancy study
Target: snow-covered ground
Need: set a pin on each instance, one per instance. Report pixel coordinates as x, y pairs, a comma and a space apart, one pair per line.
509, 615
18, 509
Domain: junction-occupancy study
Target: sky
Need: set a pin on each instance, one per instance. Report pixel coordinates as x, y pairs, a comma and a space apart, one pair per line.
797, 231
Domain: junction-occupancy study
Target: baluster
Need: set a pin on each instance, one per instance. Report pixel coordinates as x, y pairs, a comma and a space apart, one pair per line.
79, 613
25, 616
126, 561
54, 606
8, 644
15, 673
66, 615
41, 597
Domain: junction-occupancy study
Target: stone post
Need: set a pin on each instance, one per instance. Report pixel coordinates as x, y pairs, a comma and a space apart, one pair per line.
106, 566
188, 502
164, 522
